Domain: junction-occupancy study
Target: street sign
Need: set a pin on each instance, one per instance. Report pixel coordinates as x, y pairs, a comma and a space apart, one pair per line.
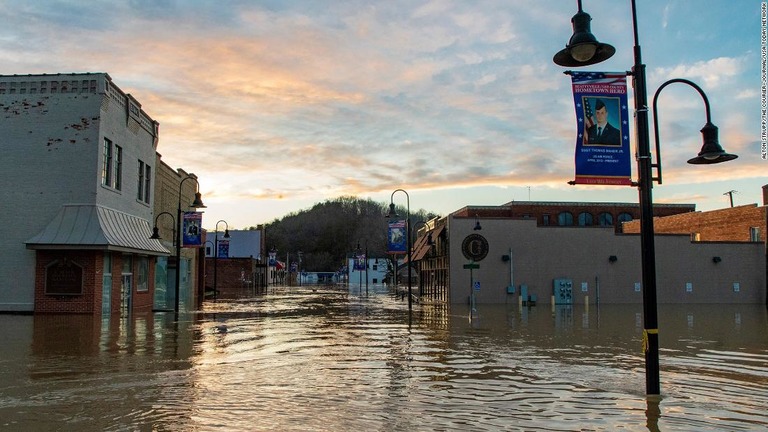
471, 266
477, 286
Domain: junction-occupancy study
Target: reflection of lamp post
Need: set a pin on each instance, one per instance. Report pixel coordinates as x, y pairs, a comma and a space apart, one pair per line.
583, 49
216, 256
393, 214
197, 203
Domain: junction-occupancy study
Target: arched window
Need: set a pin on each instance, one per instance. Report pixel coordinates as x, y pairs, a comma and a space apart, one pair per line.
585, 219
605, 219
624, 217
565, 219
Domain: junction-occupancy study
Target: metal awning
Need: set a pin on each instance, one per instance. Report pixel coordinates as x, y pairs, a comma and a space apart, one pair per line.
93, 227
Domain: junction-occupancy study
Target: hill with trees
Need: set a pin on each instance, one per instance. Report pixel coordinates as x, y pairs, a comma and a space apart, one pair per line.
332, 230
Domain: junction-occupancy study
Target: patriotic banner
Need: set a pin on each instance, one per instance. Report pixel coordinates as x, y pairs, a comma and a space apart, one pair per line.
272, 258
360, 262
192, 232
223, 249
602, 144
396, 238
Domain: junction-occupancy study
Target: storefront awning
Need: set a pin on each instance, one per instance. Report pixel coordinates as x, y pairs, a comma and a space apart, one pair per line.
93, 227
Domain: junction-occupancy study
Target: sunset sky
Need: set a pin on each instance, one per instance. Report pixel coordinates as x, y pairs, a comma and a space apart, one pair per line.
278, 104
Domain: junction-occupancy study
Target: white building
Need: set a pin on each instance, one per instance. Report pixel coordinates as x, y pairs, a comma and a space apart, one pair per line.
77, 170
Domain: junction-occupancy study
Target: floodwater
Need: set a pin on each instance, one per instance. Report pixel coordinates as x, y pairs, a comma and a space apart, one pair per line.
298, 359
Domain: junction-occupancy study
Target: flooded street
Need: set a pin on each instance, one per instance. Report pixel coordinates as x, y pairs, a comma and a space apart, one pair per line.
331, 360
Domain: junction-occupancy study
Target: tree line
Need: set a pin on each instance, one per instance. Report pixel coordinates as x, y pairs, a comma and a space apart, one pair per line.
334, 229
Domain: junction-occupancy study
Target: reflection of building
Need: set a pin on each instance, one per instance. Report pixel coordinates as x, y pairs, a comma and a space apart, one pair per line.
77, 171
240, 268
518, 252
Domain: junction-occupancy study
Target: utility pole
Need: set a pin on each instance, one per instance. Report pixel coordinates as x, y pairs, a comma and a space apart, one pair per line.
730, 195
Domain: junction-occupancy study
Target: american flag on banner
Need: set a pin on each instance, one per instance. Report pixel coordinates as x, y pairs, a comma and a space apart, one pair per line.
589, 119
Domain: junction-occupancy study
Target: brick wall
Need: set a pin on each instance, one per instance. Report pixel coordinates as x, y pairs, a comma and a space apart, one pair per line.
728, 224
229, 275
546, 213
83, 303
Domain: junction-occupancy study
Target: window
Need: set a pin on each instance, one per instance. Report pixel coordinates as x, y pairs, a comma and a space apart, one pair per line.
754, 234
545, 219
143, 274
145, 182
140, 192
585, 219
605, 219
118, 167
624, 217
565, 219
106, 172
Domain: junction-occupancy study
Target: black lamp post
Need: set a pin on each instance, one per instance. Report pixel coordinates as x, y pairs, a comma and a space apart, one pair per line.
583, 49
393, 214
196, 204
216, 255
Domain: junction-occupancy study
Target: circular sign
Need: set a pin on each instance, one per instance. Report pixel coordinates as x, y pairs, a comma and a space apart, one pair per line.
474, 247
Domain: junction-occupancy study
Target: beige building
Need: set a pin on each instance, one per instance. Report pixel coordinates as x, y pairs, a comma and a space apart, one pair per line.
595, 265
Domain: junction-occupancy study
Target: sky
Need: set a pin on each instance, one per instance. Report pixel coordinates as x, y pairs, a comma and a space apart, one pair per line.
277, 105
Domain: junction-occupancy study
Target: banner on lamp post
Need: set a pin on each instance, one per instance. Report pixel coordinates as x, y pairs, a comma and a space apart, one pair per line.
602, 117
223, 249
396, 237
193, 233
360, 261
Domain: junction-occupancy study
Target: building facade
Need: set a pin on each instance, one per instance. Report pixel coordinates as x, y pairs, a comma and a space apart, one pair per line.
239, 269
514, 261
172, 192
77, 171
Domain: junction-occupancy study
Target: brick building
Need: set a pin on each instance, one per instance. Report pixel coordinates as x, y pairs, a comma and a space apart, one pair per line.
582, 214
746, 223
77, 173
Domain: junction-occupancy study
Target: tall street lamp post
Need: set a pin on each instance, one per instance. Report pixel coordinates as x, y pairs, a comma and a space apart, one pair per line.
583, 49
393, 214
196, 204
216, 256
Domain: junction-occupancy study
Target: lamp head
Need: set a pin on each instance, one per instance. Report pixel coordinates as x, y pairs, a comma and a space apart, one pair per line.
477, 225
226, 233
392, 213
711, 152
198, 202
155, 234
583, 49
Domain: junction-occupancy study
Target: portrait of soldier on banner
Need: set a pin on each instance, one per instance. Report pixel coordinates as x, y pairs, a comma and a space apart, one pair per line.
601, 114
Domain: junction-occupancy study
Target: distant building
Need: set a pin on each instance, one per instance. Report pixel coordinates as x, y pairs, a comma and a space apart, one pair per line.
240, 268
77, 172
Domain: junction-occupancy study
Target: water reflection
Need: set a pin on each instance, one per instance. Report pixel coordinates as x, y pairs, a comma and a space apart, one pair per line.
295, 359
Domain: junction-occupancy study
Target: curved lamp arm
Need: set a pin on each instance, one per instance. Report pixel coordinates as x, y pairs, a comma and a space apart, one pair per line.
156, 231
711, 151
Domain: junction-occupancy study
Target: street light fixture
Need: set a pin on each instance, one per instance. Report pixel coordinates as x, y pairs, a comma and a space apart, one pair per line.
393, 214
196, 204
583, 50
216, 256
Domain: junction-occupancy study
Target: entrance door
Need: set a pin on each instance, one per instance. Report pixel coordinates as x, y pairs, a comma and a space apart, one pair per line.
125, 295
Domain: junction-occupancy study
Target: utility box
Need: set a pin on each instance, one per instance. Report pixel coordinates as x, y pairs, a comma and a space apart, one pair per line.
562, 291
